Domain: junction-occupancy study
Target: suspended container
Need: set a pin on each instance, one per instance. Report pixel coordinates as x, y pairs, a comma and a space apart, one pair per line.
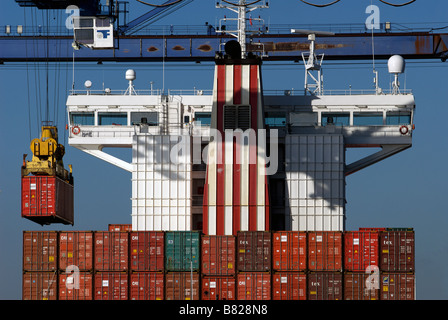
47, 199
182, 251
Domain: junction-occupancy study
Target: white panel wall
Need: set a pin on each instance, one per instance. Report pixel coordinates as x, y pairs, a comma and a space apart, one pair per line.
315, 182
161, 183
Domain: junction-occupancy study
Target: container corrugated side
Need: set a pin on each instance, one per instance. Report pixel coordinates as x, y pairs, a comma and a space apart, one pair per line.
325, 286
397, 286
76, 286
111, 251
361, 250
76, 249
397, 251
40, 285
147, 250
146, 286
361, 286
218, 287
325, 251
111, 286
289, 285
289, 251
40, 250
47, 199
218, 255
254, 251
254, 286
182, 250
182, 286
119, 227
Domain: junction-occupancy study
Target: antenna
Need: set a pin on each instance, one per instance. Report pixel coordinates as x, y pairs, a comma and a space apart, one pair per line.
242, 8
396, 65
312, 63
130, 75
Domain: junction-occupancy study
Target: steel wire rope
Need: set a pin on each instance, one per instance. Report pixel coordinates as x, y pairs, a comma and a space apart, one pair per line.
159, 5
27, 78
36, 73
320, 5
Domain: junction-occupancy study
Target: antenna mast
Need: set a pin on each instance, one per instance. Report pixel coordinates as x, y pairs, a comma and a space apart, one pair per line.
242, 8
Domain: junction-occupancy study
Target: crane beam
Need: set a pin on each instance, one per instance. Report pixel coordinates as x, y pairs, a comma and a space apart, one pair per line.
279, 47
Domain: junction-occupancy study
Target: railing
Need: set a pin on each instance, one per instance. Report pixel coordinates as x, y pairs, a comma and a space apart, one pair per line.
343, 92
206, 29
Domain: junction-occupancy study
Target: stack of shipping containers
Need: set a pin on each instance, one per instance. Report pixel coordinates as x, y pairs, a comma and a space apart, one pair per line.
121, 264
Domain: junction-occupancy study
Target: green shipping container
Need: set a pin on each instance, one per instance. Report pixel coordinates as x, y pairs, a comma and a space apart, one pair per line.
182, 250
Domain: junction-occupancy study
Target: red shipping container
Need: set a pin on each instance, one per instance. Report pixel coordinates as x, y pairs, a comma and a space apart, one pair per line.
76, 286
111, 251
361, 250
289, 286
361, 286
289, 251
39, 286
397, 251
182, 286
47, 199
218, 288
111, 286
325, 251
76, 248
147, 250
218, 255
120, 227
254, 250
146, 286
40, 250
325, 286
397, 286
254, 286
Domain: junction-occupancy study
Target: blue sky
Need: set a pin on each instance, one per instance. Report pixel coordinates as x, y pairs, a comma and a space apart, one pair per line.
407, 190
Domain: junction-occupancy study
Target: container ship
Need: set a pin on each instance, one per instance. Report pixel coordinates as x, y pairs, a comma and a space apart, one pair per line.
237, 193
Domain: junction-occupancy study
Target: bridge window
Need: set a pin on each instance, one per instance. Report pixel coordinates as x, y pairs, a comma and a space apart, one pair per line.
368, 119
151, 118
273, 119
112, 118
82, 118
398, 118
203, 117
337, 119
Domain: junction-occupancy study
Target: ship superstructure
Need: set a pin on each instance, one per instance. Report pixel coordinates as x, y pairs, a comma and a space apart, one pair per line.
306, 137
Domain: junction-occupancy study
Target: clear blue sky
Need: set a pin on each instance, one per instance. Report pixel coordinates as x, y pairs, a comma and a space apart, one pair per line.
407, 190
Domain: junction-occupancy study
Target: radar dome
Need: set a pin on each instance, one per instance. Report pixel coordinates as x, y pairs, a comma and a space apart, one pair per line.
88, 84
396, 64
130, 74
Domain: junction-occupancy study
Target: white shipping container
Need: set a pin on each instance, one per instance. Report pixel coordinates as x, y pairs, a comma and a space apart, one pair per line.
161, 183
315, 182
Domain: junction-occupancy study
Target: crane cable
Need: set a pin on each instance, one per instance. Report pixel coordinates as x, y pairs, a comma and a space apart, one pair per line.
159, 5
331, 3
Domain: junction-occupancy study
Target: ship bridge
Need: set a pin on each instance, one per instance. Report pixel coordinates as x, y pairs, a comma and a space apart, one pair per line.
312, 134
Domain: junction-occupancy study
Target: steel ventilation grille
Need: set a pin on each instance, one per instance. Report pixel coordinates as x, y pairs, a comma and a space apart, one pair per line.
236, 117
